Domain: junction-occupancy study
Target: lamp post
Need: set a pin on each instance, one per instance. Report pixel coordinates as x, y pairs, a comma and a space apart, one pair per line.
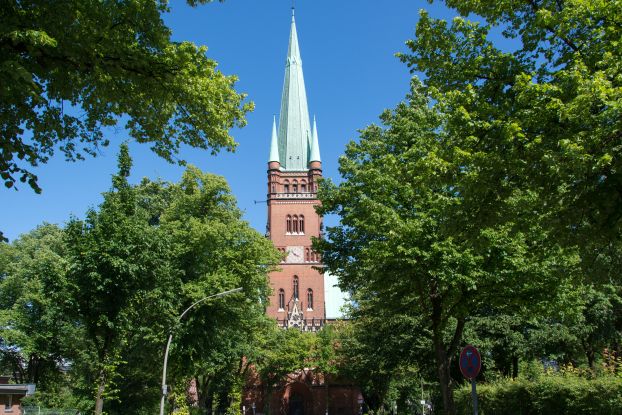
170, 339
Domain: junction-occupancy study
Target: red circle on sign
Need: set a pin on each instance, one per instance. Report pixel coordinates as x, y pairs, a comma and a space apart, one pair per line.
470, 362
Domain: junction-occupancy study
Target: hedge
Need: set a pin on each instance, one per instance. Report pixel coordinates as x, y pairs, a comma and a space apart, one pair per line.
557, 394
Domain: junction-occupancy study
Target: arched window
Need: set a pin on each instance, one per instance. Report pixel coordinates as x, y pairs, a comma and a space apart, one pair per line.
281, 299
286, 186
301, 224
295, 186
295, 287
288, 226
303, 186
310, 299
295, 224
307, 258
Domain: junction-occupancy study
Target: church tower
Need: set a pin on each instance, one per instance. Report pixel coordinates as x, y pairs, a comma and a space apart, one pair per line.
294, 168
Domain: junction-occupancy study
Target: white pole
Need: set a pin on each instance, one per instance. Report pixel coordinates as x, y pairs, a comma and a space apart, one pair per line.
170, 339
422, 399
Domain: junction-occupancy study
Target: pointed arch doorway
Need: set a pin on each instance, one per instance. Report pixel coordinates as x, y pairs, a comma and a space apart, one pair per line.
299, 399
296, 405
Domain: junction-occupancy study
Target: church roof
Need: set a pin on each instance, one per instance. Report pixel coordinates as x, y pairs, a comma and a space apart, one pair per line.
295, 138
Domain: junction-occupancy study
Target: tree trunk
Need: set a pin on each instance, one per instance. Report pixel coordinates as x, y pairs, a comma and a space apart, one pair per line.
222, 403
267, 397
616, 354
442, 370
99, 398
589, 353
591, 356
514, 367
204, 394
443, 356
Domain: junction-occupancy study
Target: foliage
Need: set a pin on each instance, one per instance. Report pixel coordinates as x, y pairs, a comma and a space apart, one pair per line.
35, 334
284, 355
562, 393
413, 240
581, 332
286, 352
98, 298
496, 181
537, 127
73, 69
120, 281
39, 342
215, 250
386, 355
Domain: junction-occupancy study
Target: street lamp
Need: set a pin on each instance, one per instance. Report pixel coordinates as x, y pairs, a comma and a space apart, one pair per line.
170, 338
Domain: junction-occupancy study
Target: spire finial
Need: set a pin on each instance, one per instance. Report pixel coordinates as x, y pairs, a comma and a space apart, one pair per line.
315, 144
274, 143
294, 136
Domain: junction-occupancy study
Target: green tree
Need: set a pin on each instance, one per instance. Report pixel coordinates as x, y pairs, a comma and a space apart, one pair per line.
385, 352
283, 353
497, 177
39, 343
413, 236
73, 68
120, 280
539, 125
600, 327
215, 249
35, 335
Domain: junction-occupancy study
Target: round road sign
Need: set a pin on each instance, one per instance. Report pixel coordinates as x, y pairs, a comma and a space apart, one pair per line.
470, 362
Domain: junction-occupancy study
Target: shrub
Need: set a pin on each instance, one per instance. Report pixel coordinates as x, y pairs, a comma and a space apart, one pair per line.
549, 394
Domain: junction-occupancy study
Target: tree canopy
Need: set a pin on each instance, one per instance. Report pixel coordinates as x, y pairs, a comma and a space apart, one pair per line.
410, 241
71, 69
99, 297
537, 127
493, 189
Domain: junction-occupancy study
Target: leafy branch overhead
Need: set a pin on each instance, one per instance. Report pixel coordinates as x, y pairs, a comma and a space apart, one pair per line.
495, 186
71, 71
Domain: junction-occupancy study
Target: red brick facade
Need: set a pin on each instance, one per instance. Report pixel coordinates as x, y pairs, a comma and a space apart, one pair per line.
292, 221
298, 292
305, 393
11, 396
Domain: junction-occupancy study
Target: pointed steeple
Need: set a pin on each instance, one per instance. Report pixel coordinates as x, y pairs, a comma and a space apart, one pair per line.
274, 144
315, 144
294, 135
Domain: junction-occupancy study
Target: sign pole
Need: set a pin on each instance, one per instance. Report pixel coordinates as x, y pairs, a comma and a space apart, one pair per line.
474, 395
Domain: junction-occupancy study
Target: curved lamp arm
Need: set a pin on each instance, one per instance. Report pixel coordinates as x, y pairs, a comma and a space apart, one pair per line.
170, 339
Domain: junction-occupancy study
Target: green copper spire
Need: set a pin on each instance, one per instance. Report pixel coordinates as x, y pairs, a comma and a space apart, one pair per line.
294, 130
315, 144
274, 144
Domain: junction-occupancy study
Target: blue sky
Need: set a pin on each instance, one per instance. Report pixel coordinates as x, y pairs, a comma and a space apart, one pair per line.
351, 76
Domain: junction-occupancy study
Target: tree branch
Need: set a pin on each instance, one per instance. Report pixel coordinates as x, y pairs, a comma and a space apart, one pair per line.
535, 7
